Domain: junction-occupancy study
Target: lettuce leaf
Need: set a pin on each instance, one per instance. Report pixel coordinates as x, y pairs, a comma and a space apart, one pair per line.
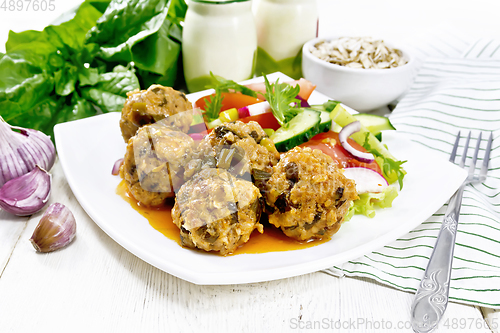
391, 168
367, 202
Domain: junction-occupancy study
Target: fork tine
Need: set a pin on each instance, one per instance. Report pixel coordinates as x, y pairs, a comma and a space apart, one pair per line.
464, 154
472, 166
486, 160
454, 150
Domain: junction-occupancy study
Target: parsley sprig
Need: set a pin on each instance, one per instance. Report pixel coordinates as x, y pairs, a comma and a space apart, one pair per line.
225, 85
213, 104
282, 99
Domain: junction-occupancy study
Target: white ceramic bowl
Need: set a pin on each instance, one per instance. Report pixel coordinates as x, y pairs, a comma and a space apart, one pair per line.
361, 89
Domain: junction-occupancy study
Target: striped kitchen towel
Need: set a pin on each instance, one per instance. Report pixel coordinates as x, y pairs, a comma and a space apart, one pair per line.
484, 48
450, 95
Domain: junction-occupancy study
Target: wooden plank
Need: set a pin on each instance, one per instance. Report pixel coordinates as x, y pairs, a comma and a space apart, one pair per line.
11, 228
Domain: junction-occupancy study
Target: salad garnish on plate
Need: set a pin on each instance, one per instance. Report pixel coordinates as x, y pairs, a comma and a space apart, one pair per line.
239, 167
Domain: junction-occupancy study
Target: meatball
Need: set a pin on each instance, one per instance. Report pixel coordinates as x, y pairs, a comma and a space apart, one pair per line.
154, 162
308, 195
216, 211
238, 147
144, 107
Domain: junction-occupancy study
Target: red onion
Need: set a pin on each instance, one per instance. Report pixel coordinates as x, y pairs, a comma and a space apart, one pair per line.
21, 151
345, 133
196, 136
254, 109
243, 112
116, 167
303, 102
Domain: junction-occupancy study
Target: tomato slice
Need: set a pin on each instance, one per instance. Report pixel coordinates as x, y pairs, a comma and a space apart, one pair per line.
230, 100
266, 120
329, 143
306, 88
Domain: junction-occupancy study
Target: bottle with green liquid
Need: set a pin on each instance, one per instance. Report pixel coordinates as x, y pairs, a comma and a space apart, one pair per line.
283, 26
219, 36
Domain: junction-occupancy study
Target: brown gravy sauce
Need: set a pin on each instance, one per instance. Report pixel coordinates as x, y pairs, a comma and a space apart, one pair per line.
272, 240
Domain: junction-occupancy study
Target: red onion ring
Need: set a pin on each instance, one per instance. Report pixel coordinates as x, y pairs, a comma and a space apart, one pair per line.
345, 133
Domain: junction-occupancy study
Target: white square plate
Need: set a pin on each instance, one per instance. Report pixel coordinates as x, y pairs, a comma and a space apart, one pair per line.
88, 148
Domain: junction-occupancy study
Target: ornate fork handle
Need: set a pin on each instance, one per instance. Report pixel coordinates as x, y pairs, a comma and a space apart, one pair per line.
431, 298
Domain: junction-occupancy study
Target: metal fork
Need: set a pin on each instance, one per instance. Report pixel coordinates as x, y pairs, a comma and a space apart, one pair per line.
431, 298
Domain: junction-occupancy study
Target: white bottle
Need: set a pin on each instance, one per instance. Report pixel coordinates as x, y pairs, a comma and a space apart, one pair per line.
219, 36
283, 26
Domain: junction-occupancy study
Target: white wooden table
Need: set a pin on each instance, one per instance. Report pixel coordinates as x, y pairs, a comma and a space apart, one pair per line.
95, 285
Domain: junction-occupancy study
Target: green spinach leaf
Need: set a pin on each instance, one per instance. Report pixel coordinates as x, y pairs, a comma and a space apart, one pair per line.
51, 48
110, 90
158, 46
65, 79
147, 33
125, 23
78, 108
41, 116
22, 88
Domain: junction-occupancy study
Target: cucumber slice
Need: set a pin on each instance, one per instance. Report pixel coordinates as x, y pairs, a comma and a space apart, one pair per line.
326, 122
300, 129
375, 124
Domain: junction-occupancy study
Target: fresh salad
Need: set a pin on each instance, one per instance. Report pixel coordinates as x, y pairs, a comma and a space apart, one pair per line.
353, 141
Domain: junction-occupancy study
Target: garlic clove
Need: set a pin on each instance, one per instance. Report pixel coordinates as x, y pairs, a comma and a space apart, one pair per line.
27, 194
21, 149
56, 229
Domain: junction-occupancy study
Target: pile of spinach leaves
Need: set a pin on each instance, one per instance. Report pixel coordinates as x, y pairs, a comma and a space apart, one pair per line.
87, 64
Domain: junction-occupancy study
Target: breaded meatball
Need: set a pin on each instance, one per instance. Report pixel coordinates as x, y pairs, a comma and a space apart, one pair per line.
247, 145
144, 107
216, 211
309, 194
154, 162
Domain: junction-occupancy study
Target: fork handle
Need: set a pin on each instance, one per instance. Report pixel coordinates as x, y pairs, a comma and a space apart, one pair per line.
431, 298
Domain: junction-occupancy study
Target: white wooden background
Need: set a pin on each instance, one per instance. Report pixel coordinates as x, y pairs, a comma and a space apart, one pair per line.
94, 285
